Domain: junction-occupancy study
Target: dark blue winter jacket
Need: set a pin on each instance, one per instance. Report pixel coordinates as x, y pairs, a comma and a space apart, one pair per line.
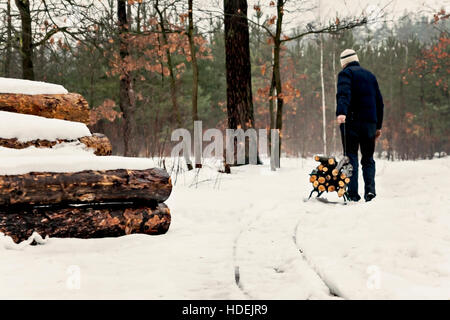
358, 95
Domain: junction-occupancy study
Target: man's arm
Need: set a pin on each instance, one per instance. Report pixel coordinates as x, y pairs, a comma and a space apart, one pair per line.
380, 106
344, 93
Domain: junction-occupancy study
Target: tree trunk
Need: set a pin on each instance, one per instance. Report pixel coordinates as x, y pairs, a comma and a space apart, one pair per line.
98, 142
126, 95
277, 72
238, 67
85, 222
8, 54
43, 188
70, 106
194, 63
173, 85
26, 48
271, 109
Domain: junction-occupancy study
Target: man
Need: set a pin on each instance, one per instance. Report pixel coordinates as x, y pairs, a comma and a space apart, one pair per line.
360, 115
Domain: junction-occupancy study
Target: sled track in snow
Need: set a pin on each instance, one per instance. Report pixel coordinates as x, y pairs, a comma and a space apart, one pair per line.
326, 282
237, 274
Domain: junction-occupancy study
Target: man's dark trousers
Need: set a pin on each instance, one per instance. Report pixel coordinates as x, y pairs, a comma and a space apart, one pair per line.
360, 134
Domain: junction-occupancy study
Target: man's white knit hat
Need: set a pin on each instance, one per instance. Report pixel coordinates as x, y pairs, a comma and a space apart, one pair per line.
347, 56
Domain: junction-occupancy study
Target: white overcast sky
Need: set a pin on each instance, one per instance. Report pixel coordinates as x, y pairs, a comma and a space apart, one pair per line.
342, 8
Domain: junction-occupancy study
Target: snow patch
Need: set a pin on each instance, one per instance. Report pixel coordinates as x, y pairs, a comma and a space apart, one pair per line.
7, 242
19, 86
68, 157
26, 127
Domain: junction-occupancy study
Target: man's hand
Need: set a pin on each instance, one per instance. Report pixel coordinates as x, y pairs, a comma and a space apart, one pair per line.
341, 119
377, 134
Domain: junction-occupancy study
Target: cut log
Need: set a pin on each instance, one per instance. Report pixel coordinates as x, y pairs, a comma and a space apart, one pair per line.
43, 188
321, 159
85, 222
70, 106
98, 142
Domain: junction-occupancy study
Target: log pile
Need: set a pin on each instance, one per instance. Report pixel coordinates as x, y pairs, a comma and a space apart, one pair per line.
84, 204
330, 176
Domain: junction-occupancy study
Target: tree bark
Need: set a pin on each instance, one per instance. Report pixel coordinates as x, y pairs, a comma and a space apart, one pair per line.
70, 106
98, 142
238, 67
44, 188
26, 48
85, 222
194, 63
126, 92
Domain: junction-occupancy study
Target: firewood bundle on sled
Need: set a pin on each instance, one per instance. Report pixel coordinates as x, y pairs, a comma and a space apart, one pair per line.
56, 178
330, 176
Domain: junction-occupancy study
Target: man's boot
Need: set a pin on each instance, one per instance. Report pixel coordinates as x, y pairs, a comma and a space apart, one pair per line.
369, 196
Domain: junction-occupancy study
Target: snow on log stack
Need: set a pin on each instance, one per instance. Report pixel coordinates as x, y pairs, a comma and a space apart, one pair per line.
330, 176
21, 131
60, 188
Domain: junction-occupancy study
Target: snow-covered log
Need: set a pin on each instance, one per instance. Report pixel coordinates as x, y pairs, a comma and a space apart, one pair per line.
85, 222
70, 106
98, 142
43, 188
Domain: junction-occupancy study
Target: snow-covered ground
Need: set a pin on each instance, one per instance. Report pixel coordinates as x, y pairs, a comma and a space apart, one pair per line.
250, 235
